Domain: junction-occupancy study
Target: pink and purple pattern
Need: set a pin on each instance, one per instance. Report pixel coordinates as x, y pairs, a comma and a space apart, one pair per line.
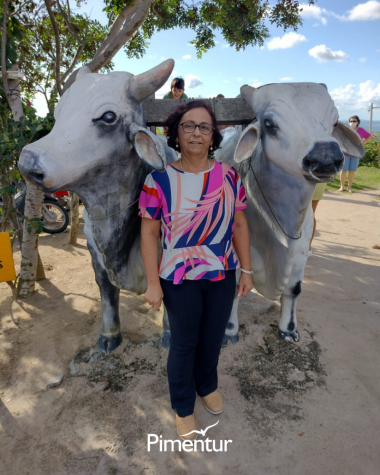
197, 213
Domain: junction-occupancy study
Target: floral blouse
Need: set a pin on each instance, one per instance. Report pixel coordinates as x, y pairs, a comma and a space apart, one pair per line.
197, 213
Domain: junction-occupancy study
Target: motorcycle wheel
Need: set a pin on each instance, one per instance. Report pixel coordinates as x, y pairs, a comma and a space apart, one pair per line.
55, 218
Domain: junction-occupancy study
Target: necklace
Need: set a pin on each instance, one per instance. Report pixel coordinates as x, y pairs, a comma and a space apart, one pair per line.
180, 164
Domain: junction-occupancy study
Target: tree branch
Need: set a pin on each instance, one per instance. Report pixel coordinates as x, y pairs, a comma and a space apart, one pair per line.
131, 24
73, 64
68, 22
3, 50
117, 24
57, 47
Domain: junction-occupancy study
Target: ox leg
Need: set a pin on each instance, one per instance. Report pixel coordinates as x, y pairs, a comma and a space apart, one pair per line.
110, 336
232, 328
165, 338
288, 323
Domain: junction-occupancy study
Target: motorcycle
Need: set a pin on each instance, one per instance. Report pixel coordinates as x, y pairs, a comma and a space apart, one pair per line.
55, 212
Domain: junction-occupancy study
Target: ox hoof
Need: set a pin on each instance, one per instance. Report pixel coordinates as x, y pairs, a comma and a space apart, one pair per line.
231, 338
165, 339
108, 344
287, 336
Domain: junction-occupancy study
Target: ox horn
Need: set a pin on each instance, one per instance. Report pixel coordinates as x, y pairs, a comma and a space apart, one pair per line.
247, 93
145, 84
75, 75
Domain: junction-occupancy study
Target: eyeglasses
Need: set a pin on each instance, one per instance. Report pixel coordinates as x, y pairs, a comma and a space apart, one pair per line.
189, 127
353, 121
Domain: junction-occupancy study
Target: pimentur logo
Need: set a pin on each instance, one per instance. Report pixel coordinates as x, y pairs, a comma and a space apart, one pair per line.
189, 445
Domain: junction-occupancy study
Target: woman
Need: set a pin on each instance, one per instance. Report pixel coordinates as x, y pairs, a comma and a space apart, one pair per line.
197, 204
177, 90
351, 163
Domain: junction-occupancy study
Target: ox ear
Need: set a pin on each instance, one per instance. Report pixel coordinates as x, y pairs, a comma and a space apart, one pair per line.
247, 143
148, 147
349, 141
145, 84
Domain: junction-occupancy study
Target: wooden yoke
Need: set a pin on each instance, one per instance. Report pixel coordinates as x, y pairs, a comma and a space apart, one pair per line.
227, 111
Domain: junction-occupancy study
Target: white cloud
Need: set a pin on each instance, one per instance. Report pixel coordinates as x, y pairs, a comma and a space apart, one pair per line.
286, 79
323, 54
362, 60
162, 57
186, 56
312, 11
351, 99
226, 46
226, 82
152, 57
369, 92
239, 79
364, 12
256, 83
192, 81
289, 40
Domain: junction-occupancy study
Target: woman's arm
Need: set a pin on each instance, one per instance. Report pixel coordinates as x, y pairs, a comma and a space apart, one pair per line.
150, 232
241, 244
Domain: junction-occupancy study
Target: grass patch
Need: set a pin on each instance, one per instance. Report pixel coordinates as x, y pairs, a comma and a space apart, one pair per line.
366, 178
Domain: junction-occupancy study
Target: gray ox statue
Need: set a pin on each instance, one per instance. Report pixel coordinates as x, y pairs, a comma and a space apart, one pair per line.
100, 148
295, 142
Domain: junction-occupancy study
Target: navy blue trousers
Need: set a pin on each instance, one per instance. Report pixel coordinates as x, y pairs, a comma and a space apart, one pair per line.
198, 313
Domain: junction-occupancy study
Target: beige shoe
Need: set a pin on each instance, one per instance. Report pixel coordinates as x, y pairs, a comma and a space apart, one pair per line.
185, 425
213, 403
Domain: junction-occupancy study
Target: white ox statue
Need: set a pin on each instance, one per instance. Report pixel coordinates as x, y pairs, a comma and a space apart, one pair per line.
295, 142
100, 149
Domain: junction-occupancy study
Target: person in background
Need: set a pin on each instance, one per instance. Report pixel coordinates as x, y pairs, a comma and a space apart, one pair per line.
318, 195
177, 90
351, 163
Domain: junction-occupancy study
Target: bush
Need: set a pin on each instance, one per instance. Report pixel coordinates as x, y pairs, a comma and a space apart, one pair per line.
372, 153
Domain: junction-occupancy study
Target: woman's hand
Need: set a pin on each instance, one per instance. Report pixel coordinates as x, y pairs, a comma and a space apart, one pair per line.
245, 284
154, 296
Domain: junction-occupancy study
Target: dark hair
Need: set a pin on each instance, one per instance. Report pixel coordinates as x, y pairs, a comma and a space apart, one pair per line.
174, 118
179, 83
354, 117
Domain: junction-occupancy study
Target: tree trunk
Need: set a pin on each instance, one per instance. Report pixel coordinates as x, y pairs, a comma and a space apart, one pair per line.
14, 98
29, 255
74, 218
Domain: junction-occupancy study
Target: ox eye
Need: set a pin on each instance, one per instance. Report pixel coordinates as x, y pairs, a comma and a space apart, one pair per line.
270, 126
108, 117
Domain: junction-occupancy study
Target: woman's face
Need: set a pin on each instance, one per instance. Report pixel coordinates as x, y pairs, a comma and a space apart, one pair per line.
354, 123
195, 143
177, 93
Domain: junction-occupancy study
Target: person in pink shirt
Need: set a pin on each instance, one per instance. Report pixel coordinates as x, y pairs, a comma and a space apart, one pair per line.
351, 163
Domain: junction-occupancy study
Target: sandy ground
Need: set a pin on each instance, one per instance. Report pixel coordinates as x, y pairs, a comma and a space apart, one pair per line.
311, 408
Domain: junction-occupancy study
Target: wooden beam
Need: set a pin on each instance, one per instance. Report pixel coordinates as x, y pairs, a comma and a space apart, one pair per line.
227, 111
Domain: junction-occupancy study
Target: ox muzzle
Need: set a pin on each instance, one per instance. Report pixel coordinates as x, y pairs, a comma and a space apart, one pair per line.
323, 162
31, 169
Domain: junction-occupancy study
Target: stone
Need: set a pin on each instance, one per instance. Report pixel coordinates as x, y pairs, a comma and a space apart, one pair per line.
55, 381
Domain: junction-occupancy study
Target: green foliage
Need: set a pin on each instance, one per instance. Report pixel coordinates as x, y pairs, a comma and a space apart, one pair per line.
241, 22
34, 45
372, 153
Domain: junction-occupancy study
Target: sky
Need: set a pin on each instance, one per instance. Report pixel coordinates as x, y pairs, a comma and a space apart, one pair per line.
338, 44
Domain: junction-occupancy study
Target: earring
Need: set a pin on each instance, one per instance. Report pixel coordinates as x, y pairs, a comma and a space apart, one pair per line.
176, 146
211, 148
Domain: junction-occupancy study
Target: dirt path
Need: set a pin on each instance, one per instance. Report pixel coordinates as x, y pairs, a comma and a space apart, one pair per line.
311, 408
